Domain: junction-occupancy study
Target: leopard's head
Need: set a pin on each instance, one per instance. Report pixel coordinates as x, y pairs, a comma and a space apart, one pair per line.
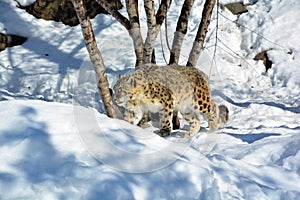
223, 115
123, 90
219, 116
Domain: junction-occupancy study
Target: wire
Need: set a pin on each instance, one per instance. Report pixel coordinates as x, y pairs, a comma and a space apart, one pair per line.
216, 40
162, 47
160, 33
236, 54
252, 31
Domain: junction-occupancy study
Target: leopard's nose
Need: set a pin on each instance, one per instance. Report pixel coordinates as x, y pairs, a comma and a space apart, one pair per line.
114, 98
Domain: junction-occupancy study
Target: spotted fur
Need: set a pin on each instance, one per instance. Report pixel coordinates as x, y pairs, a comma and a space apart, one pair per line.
167, 89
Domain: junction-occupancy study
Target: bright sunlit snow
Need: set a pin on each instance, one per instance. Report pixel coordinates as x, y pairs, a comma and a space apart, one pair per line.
57, 143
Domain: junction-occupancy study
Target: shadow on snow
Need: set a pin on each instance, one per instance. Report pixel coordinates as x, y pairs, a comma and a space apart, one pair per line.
251, 138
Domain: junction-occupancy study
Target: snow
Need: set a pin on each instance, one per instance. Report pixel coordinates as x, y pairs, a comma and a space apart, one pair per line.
26, 2
57, 143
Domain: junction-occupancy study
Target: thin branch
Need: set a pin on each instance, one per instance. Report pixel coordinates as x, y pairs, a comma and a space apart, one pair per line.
115, 13
132, 25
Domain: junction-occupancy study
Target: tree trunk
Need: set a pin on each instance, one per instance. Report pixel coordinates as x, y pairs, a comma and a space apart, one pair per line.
151, 35
95, 56
181, 30
201, 33
135, 32
154, 23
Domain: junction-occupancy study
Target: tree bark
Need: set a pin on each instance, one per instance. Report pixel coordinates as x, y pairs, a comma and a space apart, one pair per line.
151, 23
162, 11
201, 33
135, 32
181, 30
154, 23
95, 56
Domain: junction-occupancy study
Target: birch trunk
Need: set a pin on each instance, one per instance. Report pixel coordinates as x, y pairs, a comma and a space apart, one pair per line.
154, 23
151, 23
181, 30
95, 56
135, 32
201, 33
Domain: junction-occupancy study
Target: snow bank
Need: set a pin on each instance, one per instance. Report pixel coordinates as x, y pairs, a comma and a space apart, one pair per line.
48, 155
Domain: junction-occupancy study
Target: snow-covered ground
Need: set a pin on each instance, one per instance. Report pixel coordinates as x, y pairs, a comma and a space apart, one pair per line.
57, 143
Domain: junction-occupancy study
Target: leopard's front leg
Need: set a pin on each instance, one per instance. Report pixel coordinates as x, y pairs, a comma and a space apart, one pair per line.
165, 115
133, 112
194, 122
213, 117
165, 119
143, 123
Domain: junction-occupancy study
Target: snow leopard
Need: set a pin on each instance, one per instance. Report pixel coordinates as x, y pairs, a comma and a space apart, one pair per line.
166, 90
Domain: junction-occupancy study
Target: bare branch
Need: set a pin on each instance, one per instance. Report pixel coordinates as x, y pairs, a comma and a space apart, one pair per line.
115, 13
201, 33
95, 56
132, 25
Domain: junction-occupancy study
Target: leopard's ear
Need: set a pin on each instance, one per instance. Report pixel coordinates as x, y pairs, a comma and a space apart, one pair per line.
133, 82
111, 91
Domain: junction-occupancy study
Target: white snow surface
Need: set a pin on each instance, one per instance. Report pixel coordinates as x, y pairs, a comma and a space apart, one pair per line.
57, 143
26, 2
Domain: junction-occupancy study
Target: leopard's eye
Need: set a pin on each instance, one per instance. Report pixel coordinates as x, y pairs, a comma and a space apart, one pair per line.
119, 90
